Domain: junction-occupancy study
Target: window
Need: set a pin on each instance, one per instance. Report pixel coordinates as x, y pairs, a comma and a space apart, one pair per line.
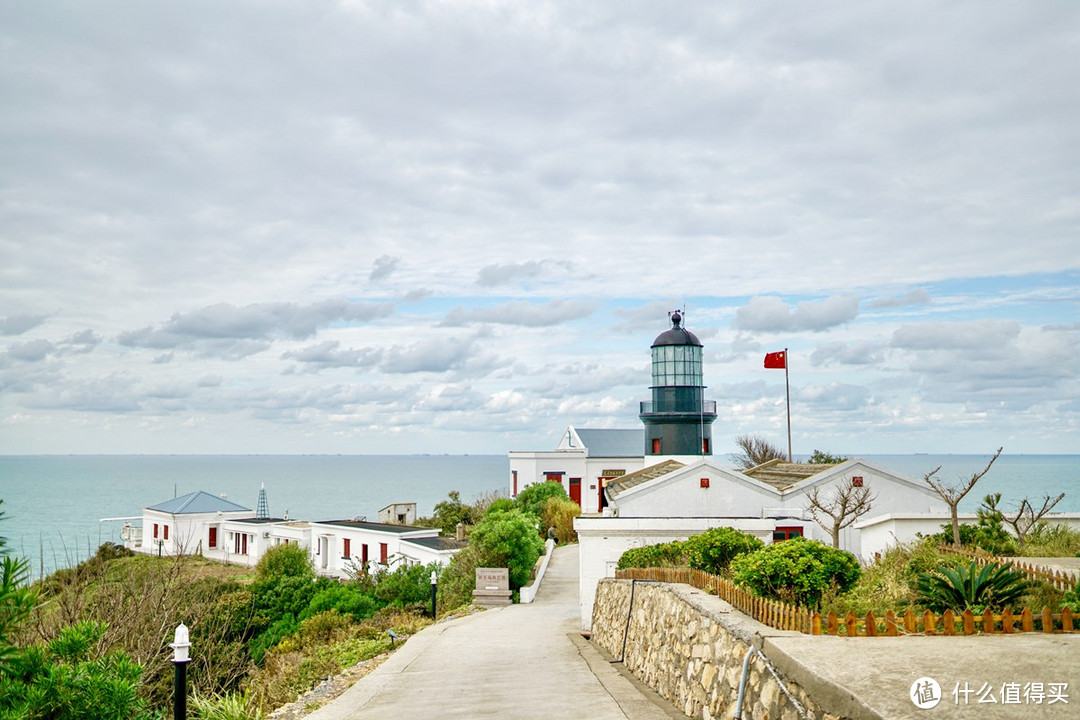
211, 541
856, 481
705, 482
364, 554
656, 446
346, 550
383, 553
243, 543
786, 533
155, 530
166, 530
553, 477
705, 446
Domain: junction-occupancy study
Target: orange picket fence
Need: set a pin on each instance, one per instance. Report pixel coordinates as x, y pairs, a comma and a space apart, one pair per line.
783, 616
1058, 579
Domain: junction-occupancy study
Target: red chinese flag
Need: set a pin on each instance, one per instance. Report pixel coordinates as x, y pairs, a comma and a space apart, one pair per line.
775, 361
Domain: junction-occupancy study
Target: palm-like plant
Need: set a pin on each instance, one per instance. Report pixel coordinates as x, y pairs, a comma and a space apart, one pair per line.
971, 587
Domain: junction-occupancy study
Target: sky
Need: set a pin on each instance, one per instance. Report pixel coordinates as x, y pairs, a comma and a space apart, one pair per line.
456, 227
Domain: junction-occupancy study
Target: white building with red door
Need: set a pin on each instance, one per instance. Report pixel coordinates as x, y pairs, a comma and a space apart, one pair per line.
200, 523
582, 462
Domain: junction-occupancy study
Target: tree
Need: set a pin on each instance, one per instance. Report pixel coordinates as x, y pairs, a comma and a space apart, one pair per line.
952, 495
841, 509
821, 457
1026, 517
533, 498
509, 539
755, 450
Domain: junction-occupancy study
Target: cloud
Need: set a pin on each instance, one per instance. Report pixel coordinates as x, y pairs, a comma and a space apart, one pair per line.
33, 351
988, 335
910, 298
525, 314
384, 267
328, 354
771, 314
842, 353
18, 324
236, 332
517, 273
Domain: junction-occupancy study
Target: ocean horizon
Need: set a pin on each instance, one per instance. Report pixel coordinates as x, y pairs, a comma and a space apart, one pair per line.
53, 504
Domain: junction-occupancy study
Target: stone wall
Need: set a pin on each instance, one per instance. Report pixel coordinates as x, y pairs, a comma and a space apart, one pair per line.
689, 647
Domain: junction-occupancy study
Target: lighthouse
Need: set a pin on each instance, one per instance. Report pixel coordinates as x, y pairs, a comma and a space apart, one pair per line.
678, 420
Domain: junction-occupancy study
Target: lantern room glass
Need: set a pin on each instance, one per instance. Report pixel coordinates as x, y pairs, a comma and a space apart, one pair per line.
676, 365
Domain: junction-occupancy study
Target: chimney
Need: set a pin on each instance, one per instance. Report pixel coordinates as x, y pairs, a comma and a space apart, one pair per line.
459, 532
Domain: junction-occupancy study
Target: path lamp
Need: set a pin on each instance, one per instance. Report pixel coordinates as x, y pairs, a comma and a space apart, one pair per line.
434, 585
180, 646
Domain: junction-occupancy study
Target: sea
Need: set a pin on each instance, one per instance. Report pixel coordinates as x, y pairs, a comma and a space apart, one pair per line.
59, 508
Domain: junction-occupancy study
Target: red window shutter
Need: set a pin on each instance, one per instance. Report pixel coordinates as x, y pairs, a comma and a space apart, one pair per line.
348, 548
363, 554
704, 482
383, 553
155, 530
212, 541
856, 481
166, 528
656, 446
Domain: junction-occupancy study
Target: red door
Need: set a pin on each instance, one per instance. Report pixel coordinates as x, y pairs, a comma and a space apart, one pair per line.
212, 540
382, 553
575, 490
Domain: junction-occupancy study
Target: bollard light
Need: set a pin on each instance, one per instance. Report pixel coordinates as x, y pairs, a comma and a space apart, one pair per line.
180, 645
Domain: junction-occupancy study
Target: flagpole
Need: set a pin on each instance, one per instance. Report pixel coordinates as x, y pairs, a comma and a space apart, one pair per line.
787, 388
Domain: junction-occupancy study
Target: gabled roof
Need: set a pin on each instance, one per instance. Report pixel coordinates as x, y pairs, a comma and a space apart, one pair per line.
613, 443
783, 475
620, 485
197, 502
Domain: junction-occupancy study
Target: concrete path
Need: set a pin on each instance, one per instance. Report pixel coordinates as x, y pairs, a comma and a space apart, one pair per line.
521, 661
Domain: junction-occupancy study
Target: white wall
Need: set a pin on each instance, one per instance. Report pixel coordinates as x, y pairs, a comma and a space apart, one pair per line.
603, 540
532, 466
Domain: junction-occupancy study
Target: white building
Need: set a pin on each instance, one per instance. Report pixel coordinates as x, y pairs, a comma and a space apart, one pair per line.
203, 524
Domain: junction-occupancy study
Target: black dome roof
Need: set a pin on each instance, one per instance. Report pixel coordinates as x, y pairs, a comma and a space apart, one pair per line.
676, 335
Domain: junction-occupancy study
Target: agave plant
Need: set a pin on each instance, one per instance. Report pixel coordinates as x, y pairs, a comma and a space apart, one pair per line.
971, 587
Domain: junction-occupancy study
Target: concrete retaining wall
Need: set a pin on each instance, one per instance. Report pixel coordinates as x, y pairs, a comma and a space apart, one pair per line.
689, 647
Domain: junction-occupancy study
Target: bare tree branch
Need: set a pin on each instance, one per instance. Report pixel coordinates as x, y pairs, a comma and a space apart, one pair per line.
842, 508
755, 450
952, 495
1026, 516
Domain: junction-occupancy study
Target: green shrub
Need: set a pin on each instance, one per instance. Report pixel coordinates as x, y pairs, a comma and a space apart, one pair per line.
69, 680
1071, 599
559, 514
971, 587
533, 498
281, 561
509, 540
405, 586
458, 579
797, 570
347, 599
713, 550
500, 505
669, 554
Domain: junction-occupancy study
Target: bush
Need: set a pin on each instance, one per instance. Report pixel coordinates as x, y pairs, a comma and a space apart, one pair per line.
797, 570
284, 561
347, 599
559, 514
670, 554
458, 580
1071, 599
500, 505
970, 587
509, 540
1046, 540
405, 586
533, 498
68, 680
713, 550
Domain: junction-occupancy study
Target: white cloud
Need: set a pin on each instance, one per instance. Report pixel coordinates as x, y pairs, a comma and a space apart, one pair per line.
525, 314
771, 314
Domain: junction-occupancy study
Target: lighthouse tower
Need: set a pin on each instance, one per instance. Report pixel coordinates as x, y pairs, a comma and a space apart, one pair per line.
678, 420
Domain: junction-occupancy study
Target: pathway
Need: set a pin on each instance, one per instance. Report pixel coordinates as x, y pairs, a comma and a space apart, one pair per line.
521, 661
